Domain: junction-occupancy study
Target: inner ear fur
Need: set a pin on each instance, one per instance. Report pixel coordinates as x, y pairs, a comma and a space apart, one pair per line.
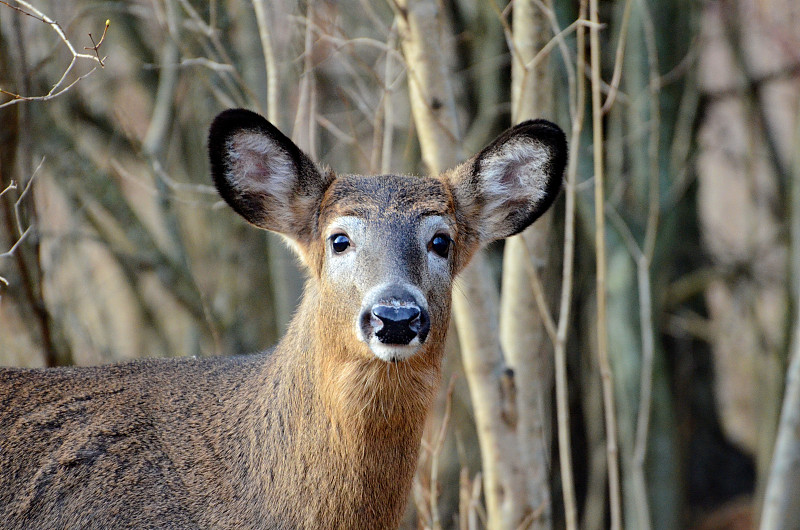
512, 181
263, 175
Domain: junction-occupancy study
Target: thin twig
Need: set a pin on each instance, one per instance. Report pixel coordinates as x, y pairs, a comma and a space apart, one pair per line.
501, 16
362, 41
538, 294
560, 347
681, 69
57, 89
11, 186
565, 52
655, 135
270, 63
557, 40
230, 77
612, 450
435, 452
388, 112
18, 202
10, 252
619, 58
645, 390
643, 263
200, 61
96, 46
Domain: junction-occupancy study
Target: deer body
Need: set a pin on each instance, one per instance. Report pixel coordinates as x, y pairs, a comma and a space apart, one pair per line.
322, 432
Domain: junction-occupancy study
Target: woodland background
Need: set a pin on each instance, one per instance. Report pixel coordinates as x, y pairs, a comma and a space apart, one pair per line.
616, 365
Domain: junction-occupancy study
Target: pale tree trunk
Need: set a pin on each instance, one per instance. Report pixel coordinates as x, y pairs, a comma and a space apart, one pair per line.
523, 335
475, 303
287, 280
781, 509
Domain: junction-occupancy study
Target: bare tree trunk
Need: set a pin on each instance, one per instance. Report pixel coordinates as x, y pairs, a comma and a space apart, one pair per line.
287, 280
475, 303
781, 509
523, 336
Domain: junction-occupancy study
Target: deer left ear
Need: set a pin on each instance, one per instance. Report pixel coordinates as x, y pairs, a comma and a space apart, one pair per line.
263, 175
511, 182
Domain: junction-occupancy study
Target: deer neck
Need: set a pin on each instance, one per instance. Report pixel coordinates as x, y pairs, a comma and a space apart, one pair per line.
353, 422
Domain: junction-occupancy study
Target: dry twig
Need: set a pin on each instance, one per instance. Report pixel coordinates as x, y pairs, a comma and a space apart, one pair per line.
562, 399
60, 87
612, 450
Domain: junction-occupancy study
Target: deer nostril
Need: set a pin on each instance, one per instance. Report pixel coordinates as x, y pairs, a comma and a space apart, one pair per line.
396, 324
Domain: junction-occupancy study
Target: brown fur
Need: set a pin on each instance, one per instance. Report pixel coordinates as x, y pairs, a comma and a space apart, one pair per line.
319, 433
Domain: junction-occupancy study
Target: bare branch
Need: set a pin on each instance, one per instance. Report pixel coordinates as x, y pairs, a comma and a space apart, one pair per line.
270, 63
538, 292
207, 63
388, 110
11, 186
619, 57
10, 252
59, 87
436, 450
22, 195
96, 46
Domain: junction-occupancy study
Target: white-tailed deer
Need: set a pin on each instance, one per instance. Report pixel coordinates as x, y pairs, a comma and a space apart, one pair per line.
321, 432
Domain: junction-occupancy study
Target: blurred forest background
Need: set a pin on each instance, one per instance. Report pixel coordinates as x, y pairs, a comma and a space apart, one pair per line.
620, 365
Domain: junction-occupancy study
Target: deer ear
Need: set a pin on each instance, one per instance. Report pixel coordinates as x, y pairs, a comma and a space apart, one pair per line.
263, 175
511, 182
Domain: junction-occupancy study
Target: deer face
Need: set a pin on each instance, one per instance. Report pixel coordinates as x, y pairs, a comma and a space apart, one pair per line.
388, 255
384, 250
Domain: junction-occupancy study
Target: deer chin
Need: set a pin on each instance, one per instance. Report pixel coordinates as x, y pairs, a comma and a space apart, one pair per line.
391, 353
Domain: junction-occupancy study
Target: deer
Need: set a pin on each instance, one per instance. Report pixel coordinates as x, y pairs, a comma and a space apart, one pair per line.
324, 430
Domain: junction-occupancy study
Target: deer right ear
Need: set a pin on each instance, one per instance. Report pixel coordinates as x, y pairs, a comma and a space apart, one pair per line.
263, 175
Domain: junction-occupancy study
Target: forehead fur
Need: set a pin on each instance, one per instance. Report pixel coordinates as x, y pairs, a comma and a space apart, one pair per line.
372, 197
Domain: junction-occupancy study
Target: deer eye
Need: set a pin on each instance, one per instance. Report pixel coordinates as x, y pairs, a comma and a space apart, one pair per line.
440, 244
339, 242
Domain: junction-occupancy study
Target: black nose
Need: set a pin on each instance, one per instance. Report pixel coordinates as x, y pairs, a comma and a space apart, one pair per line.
399, 324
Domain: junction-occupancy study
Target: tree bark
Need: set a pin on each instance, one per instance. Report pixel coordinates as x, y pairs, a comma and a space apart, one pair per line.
475, 304
527, 347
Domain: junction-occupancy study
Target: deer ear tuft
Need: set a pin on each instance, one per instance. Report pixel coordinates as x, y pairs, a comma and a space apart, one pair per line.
263, 175
511, 182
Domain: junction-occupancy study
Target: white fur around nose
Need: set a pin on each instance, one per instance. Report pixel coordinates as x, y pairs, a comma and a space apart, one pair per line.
393, 352
257, 164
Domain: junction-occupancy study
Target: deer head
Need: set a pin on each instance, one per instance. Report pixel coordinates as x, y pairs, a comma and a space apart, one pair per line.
383, 251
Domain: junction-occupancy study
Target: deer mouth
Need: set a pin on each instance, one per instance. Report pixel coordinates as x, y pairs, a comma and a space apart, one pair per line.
393, 353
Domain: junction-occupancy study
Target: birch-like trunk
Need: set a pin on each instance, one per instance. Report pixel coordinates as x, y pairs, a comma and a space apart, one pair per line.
525, 342
475, 301
781, 509
475, 304
287, 280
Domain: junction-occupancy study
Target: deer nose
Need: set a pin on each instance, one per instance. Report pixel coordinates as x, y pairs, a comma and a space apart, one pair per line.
399, 324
